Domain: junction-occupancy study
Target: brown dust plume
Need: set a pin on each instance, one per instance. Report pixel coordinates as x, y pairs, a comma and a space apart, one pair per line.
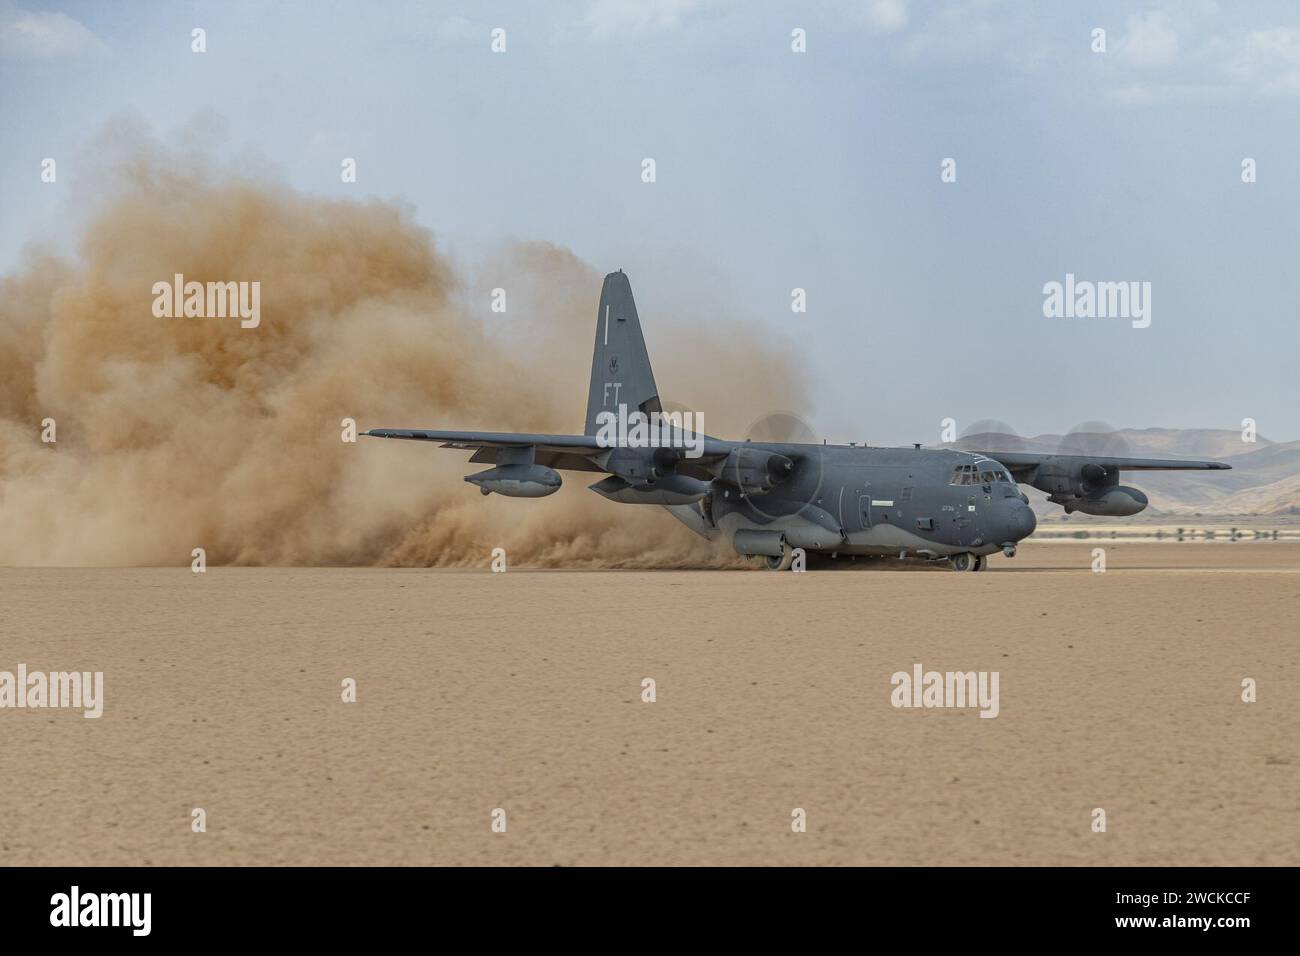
177, 433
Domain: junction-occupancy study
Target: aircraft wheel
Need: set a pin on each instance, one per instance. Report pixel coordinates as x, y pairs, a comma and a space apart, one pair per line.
783, 562
964, 561
980, 563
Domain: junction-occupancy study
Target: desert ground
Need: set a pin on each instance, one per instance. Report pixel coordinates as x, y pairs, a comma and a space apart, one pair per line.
523, 691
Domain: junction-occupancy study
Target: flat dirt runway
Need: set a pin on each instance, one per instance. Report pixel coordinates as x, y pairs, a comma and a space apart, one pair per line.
523, 691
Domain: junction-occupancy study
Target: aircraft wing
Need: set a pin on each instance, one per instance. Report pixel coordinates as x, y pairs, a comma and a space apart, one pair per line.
1045, 471
569, 452
1022, 462
580, 444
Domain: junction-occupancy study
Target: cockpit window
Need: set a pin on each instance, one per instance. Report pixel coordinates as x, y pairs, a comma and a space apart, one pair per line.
983, 474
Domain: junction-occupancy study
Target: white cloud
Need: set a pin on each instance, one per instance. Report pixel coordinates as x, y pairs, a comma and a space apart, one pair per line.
605, 17
1149, 41
887, 15
961, 32
1269, 61
44, 35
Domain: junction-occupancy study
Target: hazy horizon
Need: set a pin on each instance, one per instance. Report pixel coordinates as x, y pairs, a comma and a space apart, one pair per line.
775, 170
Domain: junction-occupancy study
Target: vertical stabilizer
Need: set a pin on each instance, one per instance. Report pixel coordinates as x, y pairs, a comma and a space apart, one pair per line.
620, 365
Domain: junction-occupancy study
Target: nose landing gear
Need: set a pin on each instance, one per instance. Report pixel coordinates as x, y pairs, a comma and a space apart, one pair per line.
965, 561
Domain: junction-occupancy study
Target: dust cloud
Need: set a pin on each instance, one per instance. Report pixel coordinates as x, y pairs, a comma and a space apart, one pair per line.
177, 433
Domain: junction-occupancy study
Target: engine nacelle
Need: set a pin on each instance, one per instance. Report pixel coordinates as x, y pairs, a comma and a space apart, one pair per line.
518, 481
1117, 502
1067, 477
755, 470
637, 466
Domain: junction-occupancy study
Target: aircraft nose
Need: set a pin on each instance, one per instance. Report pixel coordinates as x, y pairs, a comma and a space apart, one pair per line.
1021, 521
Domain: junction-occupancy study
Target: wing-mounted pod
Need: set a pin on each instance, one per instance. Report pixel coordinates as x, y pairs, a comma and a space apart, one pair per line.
1117, 502
669, 490
517, 475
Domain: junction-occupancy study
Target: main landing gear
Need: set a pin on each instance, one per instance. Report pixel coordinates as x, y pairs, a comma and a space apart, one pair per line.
783, 562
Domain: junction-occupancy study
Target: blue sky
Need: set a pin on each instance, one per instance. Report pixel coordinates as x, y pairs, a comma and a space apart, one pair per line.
775, 170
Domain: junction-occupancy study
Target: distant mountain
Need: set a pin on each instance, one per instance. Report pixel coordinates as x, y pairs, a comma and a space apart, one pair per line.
1265, 479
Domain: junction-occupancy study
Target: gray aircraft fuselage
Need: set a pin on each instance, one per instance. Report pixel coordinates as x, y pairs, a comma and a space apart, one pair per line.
886, 501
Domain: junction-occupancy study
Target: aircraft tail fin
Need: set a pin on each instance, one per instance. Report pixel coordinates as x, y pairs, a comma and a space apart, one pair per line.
620, 365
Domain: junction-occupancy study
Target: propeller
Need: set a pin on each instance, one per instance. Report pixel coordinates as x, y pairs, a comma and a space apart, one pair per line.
787, 428
1094, 440
990, 435
781, 428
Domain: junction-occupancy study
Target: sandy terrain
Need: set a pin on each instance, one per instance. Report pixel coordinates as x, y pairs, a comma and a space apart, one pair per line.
522, 691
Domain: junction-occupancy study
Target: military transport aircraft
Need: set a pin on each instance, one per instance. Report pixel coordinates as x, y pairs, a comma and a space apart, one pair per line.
769, 498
